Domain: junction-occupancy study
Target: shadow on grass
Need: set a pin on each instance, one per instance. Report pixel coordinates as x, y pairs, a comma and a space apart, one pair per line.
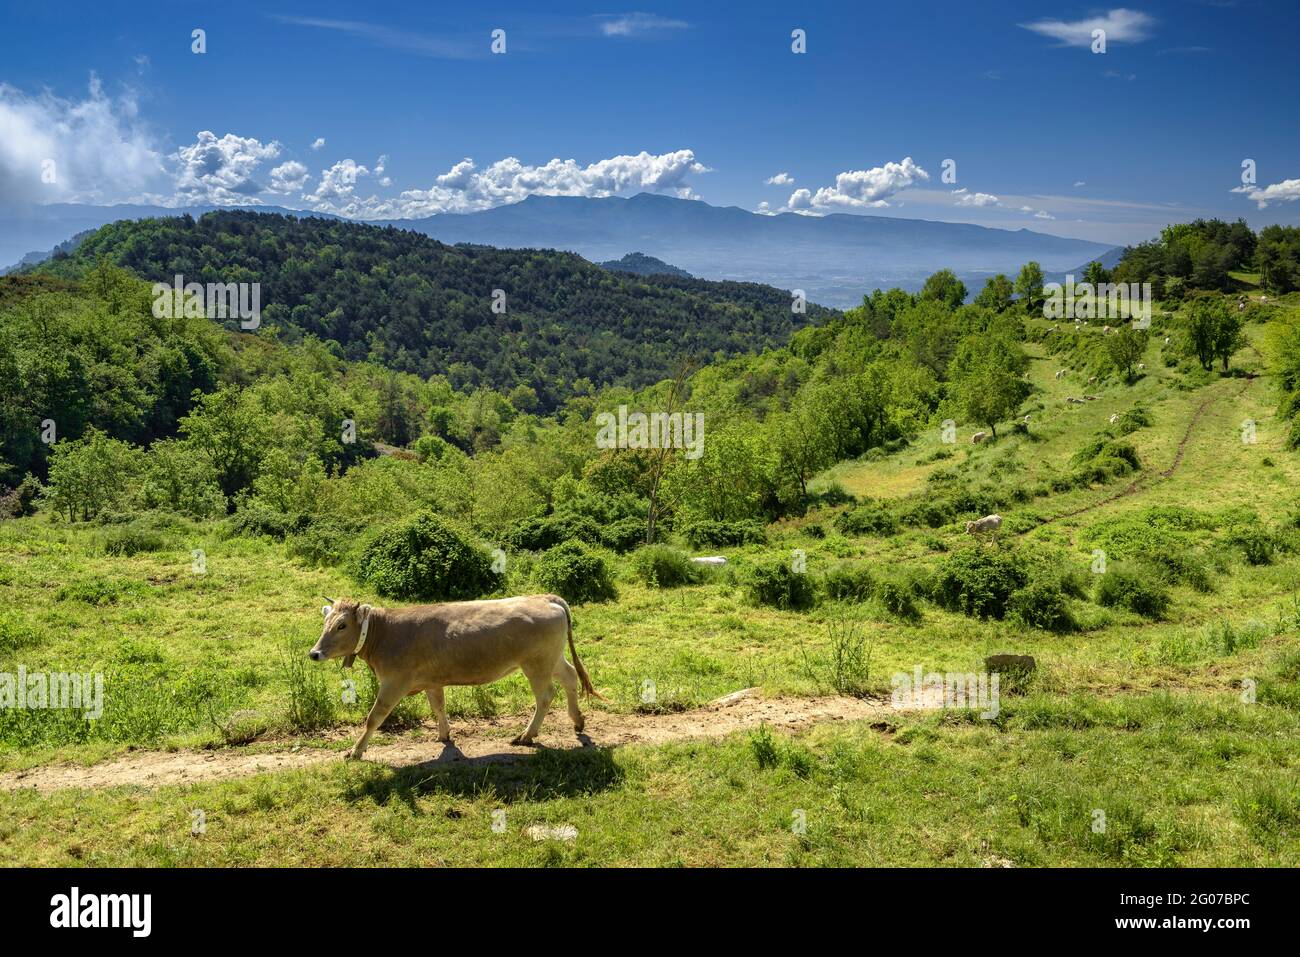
546, 774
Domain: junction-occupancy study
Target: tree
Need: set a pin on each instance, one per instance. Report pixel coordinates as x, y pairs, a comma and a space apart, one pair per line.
1096, 274
945, 287
1214, 329
91, 474
988, 380
1125, 348
232, 434
1029, 286
996, 294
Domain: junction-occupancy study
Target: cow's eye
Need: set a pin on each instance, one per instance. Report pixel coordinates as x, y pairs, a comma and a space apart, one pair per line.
342, 625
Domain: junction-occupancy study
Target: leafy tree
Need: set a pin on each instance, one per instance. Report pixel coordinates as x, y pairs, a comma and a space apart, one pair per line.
944, 287
1125, 349
1214, 330
996, 294
90, 475
231, 433
1029, 286
988, 382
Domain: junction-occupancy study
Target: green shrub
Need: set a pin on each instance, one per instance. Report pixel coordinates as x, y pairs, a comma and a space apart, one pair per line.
1041, 604
845, 665
1257, 544
326, 542
871, 519
425, 559
774, 582
896, 596
625, 534
1123, 587
1132, 420
255, 518
133, 539
541, 532
725, 534
849, 581
576, 573
662, 566
978, 582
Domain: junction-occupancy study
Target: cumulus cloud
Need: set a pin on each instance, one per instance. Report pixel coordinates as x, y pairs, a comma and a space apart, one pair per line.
90, 150
1043, 214
860, 188
1283, 192
335, 191
318, 143
290, 177
637, 24
220, 171
1121, 26
780, 179
466, 188
967, 198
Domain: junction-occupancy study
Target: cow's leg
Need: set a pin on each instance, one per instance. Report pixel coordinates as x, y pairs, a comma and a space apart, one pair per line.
437, 703
568, 678
543, 691
385, 701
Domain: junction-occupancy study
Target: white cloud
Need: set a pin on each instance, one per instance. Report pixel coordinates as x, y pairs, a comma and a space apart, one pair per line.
290, 177
465, 188
318, 143
1043, 214
780, 179
220, 171
860, 188
1121, 26
967, 198
636, 24
100, 150
335, 192
1080, 183
1283, 192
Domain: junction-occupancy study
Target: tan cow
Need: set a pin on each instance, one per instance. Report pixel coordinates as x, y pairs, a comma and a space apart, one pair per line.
427, 647
978, 437
989, 523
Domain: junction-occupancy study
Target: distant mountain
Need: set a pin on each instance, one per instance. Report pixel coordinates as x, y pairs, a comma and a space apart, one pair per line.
480, 316
1109, 260
835, 259
640, 264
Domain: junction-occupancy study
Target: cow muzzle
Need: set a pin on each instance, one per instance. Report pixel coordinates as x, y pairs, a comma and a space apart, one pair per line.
316, 655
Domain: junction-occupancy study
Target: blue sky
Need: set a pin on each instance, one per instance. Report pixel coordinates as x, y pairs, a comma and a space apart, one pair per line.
705, 101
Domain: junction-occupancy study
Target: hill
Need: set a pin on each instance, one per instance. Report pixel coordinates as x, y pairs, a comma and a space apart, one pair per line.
417, 305
642, 265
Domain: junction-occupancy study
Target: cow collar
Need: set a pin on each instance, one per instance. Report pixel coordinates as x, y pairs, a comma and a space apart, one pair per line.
365, 630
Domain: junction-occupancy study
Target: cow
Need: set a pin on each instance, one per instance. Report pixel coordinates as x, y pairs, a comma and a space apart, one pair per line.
427, 647
989, 523
978, 437
1060, 374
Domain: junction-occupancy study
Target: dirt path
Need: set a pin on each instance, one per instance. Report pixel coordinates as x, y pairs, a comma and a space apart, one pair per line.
478, 741
1142, 480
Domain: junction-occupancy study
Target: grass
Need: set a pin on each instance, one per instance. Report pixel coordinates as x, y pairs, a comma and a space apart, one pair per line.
1145, 720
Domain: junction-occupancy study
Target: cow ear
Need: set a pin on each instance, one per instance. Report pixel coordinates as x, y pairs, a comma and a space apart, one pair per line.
363, 612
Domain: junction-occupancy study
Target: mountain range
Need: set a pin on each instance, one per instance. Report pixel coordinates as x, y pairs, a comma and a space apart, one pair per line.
834, 259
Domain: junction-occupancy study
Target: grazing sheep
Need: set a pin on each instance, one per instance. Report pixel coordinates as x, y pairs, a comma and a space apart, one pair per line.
1114, 418
1141, 366
1091, 380
1060, 374
978, 437
1105, 328
989, 523
1026, 420
1166, 340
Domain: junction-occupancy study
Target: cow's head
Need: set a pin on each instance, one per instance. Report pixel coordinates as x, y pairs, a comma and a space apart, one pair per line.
342, 631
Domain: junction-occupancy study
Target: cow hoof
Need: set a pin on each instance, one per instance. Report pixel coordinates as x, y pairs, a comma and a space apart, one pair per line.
521, 741
578, 726
351, 756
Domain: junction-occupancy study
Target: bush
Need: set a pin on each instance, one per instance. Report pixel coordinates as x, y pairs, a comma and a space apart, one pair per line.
849, 581
133, 539
325, 542
624, 535
1122, 587
541, 532
576, 573
255, 519
978, 582
1041, 605
774, 582
1256, 544
662, 566
1134, 419
897, 598
872, 519
724, 534
425, 559
21, 501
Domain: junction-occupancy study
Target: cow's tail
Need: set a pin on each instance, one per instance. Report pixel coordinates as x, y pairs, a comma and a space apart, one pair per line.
583, 677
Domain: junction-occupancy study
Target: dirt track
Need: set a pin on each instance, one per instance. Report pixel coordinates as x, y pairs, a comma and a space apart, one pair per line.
479, 741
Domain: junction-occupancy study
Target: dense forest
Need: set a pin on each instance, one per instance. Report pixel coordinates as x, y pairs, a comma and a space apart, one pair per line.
561, 325
1203, 254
